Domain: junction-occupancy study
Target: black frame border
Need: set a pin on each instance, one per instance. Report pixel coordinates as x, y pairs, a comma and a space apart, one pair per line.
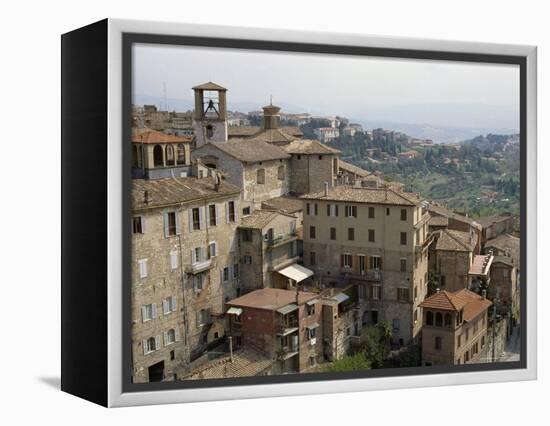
129, 39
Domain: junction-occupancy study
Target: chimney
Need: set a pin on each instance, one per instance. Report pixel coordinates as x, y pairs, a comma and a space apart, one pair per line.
326, 189
146, 197
484, 294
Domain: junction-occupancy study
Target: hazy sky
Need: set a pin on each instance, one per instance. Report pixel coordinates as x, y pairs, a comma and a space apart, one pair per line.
357, 87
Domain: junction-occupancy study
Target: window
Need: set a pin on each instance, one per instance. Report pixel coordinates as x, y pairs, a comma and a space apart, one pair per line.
351, 234
312, 232
387, 211
230, 211
198, 282
375, 292
442, 280
281, 173
438, 343
137, 225
448, 320
459, 341
312, 362
172, 358
403, 214
173, 259
209, 131
170, 223
332, 209
181, 153
312, 259
429, 318
371, 212
247, 235
332, 233
202, 317
362, 264
415, 291
307, 209
148, 312
316, 209
403, 265
169, 305
151, 345
196, 255
403, 238
375, 262
350, 211
347, 260
169, 337
142, 268
396, 324
225, 274
158, 156
196, 217
247, 260
311, 309
212, 215
260, 176
212, 249
438, 319
415, 316
246, 211
482, 341
467, 334
235, 270
403, 294
371, 235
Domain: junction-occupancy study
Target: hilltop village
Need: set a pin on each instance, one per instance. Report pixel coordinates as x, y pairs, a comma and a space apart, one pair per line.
257, 250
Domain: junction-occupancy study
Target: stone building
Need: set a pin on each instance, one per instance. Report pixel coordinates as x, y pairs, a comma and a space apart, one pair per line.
377, 239
505, 245
451, 256
442, 217
493, 226
282, 324
311, 165
210, 114
185, 266
504, 286
267, 241
158, 155
454, 329
259, 168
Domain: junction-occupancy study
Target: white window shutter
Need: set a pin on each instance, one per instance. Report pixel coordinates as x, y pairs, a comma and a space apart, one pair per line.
144, 343
154, 310
165, 308
190, 218
178, 227
173, 306
207, 216
201, 217
198, 318
193, 260
165, 217
236, 212
165, 338
174, 259
215, 248
203, 253
226, 212
143, 313
143, 224
157, 342
217, 214
177, 334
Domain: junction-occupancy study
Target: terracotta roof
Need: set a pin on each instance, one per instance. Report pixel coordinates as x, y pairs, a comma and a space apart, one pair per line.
172, 191
292, 131
251, 151
271, 298
438, 221
273, 136
472, 303
309, 146
259, 219
452, 240
284, 204
366, 195
506, 243
348, 167
480, 264
489, 220
146, 135
242, 131
245, 363
209, 86
437, 209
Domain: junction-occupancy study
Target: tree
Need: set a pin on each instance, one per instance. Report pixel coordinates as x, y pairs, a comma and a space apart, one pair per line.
375, 343
355, 362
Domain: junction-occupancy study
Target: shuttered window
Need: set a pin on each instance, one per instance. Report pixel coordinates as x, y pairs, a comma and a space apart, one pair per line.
142, 268
173, 259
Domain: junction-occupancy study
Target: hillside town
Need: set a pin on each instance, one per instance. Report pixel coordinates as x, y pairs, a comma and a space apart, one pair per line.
258, 250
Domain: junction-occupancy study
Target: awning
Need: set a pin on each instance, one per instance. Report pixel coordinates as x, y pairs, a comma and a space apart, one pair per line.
296, 272
340, 297
312, 326
312, 302
236, 311
287, 309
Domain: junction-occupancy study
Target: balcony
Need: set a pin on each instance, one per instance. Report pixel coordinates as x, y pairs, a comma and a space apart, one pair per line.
198, 267
281, 262
280, 240
286, 352
375, 275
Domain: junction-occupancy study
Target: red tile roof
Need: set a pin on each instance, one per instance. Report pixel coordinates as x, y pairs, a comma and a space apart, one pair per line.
152, 136
472, 303
271, 298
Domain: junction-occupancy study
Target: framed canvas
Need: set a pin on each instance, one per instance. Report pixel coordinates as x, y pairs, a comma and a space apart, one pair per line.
254, 213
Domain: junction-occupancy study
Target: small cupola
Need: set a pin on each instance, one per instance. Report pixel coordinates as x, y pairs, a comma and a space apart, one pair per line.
272, 116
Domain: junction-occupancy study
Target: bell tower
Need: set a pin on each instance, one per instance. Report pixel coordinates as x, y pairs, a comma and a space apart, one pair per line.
210, 116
